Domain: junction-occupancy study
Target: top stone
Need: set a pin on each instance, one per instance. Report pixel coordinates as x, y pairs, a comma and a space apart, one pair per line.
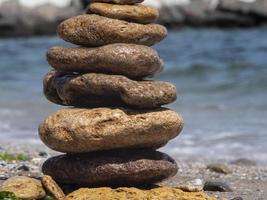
94, 30
119, 1
131, 13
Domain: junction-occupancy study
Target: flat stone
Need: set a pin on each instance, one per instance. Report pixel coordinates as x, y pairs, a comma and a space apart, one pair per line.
75, 130
121, 167
132, 13
160, 193
125, 59
93, 90
94, 30
120, 1
24, 187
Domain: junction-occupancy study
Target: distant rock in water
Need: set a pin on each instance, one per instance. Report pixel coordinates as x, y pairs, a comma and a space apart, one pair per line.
18, 20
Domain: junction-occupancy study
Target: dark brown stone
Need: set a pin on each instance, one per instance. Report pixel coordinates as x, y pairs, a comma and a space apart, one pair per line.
94, 30
123, 167
91, 90
125, 59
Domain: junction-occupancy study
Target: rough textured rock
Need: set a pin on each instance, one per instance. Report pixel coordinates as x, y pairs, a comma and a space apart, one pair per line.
161, 193
92, 90
75, 130
24, 187
133, 13
95, 30
126, 59
52, 187
122, 167
120, 1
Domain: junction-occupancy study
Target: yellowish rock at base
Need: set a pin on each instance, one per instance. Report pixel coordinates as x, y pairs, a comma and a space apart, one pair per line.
24, 187
161, 193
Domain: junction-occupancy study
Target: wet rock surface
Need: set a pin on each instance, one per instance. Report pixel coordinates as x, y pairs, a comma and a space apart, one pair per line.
94, 30
85, 130
122, 167
123, 59
93, 90
132, 13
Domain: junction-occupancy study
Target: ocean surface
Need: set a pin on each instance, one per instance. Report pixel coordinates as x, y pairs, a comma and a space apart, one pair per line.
221, 78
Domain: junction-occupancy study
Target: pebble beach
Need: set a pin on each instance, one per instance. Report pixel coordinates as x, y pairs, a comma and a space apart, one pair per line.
245, 178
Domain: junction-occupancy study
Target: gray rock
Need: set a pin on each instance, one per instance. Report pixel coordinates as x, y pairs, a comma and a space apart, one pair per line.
237, 198
217, 186
257, 7
94, 90
125, 59
123, 167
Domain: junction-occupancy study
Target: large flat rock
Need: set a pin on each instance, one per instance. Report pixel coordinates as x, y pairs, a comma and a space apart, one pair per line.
125, 59
94, 90
123, 167
75, 130
94, 30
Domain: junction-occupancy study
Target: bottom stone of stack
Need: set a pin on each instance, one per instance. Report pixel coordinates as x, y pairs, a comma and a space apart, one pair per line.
111, 168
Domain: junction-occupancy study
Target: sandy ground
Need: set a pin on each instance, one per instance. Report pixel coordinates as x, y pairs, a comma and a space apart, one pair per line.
246, 179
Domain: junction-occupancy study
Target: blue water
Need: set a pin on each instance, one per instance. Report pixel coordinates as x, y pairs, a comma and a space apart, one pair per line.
221, 77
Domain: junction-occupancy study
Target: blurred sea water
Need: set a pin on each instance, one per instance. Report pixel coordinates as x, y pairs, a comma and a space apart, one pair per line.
220, 75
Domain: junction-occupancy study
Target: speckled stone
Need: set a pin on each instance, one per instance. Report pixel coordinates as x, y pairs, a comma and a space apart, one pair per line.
93, 90
160, 193
24, 187
94, 30
123, 167
120, 1
125, 59
132, 13
75, 130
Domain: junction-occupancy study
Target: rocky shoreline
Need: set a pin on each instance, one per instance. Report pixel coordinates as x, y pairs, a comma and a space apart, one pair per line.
241, 178
18, 20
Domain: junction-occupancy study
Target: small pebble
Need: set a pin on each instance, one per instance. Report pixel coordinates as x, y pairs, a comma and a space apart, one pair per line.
23, 168
195, 185
244, 162
219, 168
217, 186
43, 154
237, 198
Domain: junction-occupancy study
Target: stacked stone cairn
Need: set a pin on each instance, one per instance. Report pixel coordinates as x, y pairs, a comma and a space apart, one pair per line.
115, 120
